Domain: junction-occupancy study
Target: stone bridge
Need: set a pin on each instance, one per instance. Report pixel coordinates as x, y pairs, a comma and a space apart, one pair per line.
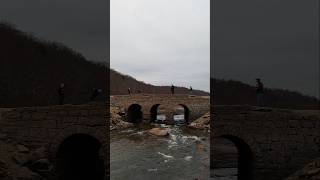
69, 134
146, 106
272, 143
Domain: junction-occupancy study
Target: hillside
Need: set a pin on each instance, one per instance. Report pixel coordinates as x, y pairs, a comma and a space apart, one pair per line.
31, 70
136, 86
230, 92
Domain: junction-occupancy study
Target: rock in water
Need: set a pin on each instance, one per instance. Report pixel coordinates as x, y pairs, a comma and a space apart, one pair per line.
201, 123
159, 131
310, 172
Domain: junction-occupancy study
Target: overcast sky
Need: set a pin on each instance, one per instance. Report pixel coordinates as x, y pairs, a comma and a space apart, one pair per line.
167, 41
79, 24
162, 41
276, 40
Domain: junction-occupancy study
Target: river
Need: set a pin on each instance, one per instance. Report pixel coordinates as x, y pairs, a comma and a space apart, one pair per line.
137, 155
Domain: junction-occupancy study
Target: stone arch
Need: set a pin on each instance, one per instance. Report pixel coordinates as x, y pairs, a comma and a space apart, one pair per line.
135, 114
154, 112
78, 158
97, 133
245, 157
186, 112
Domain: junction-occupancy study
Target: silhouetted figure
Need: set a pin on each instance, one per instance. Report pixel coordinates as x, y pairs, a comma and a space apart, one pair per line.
172, 89
190, 89
61, 93
95, 93
129, 91
260, 92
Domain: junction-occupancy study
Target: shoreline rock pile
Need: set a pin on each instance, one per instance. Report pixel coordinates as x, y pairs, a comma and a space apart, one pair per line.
201, 123
117, 121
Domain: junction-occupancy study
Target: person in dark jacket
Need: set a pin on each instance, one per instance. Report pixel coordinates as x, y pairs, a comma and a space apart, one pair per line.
172, 89
260, 92
61, 93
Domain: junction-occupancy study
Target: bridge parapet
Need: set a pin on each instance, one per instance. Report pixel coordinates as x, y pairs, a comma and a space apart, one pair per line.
280, 141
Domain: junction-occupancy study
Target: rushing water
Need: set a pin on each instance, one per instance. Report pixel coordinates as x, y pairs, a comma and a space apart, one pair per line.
137, 155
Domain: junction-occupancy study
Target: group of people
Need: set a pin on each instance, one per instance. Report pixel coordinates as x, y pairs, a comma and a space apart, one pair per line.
171, 89
96, 92
61, 93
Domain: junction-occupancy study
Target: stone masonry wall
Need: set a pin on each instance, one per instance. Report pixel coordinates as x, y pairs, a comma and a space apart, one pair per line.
197, 105
47, 127
281, 141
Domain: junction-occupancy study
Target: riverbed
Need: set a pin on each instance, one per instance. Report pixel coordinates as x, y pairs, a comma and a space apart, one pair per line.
137, 155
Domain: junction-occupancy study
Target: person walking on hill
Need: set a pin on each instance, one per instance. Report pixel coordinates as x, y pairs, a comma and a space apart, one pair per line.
61, 94
172, 89
260, 92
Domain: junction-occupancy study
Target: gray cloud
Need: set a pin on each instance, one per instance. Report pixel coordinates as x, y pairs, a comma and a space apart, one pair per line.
162, 42
275, 40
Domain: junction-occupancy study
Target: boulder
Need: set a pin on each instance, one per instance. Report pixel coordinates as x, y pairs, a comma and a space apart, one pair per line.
116, 120
159, 131
310, 172
42, 166
22, 149
202, 123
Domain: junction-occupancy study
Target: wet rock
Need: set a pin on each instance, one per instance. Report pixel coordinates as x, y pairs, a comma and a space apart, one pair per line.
21, 158
159, 131
201, 123
22, 149
310, 172
201, 147
116, 121
42, 166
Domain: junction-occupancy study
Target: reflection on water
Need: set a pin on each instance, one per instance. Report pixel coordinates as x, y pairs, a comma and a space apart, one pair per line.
136, 155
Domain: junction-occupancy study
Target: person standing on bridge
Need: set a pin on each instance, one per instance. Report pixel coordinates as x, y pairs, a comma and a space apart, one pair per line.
190, 89
172, 89
61, 94
260, 92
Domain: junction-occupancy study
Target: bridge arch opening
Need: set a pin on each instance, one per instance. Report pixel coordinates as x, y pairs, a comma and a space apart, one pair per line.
154, 112
135, 114
78, 158
244, 155
157, 114
181, 113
